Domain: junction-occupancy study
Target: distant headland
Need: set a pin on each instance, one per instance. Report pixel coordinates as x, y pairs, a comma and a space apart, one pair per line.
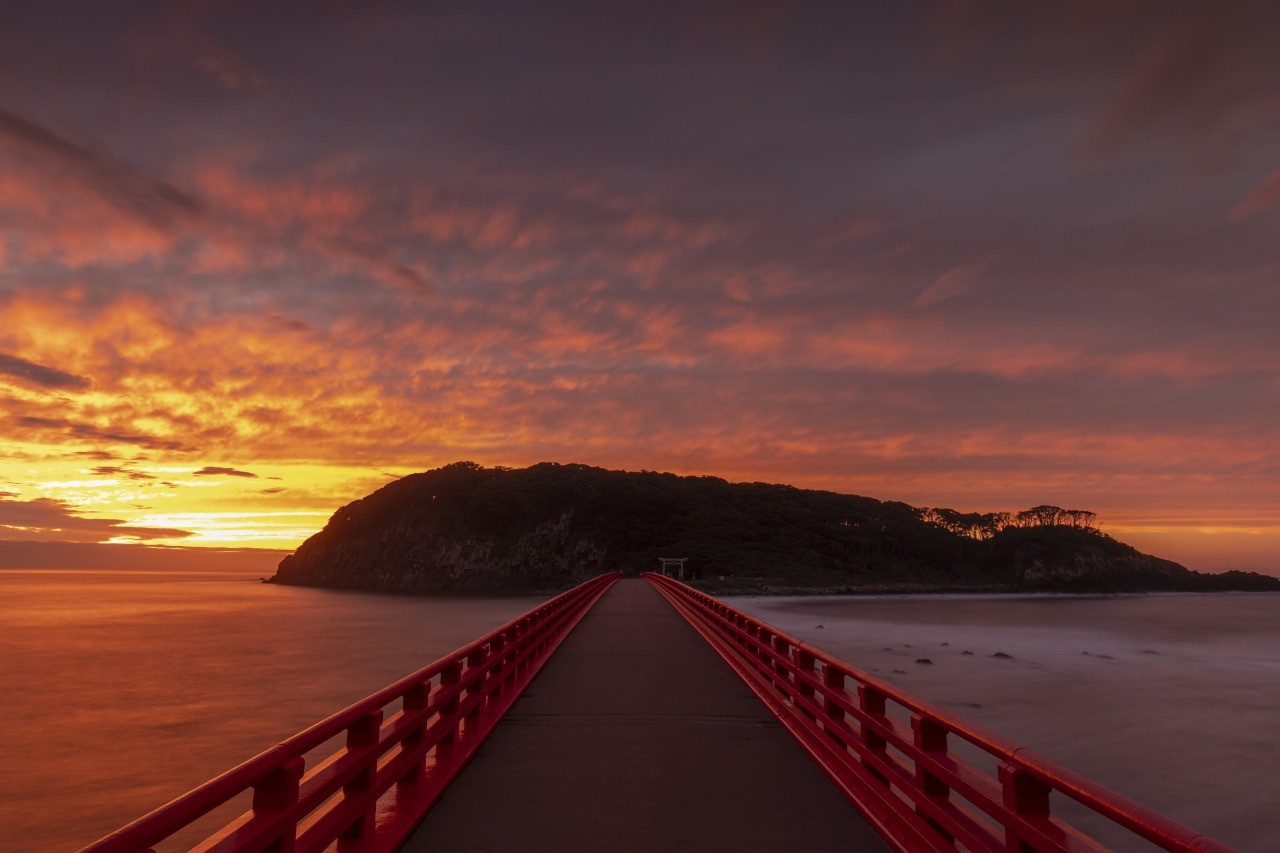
465, 528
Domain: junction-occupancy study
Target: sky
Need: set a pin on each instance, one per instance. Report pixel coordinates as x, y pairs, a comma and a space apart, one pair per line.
259, 259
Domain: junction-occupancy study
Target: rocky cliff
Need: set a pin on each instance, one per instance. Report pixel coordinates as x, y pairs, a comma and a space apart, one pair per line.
468, 529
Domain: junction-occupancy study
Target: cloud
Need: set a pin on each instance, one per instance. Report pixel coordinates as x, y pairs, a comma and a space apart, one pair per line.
759, 263
100, 455
38, 374
955, 281
73, 429
129, 189
213, 471
1264, 196
45, 519
117, 471
1173, 62
274, 491
1203, 79
227, 69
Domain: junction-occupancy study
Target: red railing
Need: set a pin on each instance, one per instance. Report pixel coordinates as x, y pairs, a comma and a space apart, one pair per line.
904, 780
370, 795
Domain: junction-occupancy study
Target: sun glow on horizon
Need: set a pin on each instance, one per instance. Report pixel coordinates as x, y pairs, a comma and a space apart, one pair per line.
219, 321
120, 497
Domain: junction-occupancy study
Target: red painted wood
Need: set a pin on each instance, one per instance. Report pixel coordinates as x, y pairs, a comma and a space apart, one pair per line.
903, 779
397, 761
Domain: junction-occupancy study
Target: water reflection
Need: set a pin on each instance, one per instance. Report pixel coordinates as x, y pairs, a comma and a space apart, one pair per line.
123, 690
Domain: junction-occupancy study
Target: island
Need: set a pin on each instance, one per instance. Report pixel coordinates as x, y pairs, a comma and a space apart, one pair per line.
466, 528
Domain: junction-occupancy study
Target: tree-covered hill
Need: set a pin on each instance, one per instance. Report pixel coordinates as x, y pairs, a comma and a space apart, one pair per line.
465, 528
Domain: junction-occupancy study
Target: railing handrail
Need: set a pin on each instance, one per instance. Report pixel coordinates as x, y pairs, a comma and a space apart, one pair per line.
480, 658
809, 693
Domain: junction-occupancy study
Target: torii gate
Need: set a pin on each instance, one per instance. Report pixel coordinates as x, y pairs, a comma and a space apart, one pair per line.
675, 563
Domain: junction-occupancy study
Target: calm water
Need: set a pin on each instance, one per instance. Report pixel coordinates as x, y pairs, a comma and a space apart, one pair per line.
120, 691
1176, 704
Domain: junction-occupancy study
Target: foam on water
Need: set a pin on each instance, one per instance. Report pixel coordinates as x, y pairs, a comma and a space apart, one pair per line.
1171, 700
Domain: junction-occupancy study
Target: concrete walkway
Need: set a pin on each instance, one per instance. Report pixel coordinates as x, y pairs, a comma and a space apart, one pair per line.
637, 736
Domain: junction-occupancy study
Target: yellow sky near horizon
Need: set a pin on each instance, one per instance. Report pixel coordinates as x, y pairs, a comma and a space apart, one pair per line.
277, 505
872, 255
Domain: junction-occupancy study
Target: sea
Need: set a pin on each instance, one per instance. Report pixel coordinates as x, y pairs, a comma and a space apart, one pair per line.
122, 690
1171, 699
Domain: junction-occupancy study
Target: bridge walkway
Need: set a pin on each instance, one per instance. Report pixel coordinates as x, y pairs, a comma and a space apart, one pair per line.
636, 736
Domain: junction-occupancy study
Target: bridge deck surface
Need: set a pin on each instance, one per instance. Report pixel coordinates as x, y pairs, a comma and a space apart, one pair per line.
637, 736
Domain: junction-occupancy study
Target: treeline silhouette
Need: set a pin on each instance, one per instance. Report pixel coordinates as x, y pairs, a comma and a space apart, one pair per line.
984, 525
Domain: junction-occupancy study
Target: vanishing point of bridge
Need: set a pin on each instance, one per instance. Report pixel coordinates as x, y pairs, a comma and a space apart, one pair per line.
664, 720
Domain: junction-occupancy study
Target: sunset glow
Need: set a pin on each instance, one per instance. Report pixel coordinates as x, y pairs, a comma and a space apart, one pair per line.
255, 264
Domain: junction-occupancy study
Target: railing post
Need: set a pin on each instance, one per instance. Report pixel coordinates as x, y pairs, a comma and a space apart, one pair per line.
522, 646
743, 633
450, 676
432, 728
1026, 796
930, 738
833, 679
783, 649
871, 702
362, 737
476, 660
804, 671
277, 792
415, 700
496, 660
512, 642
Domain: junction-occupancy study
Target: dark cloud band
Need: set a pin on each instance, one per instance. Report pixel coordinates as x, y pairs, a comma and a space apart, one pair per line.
39, 374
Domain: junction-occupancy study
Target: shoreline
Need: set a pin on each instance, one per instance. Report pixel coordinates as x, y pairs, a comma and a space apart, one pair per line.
895, 591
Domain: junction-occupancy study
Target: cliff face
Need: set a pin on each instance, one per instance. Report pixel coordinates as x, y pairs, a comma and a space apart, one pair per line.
404, 555
1068, 560
463, 528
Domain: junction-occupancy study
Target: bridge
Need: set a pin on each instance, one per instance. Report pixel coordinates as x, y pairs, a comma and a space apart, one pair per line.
660, 718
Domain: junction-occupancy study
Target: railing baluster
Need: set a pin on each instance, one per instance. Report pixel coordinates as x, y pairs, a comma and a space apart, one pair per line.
777, 668
930, 737
415, 699
783, 648
805, 667
278, 792
833, 678
476, 661
1026, 796
522, 645
362, 737
752, 638
872, 703
449, 678
496, 658
275, 775
511, 638
763, 655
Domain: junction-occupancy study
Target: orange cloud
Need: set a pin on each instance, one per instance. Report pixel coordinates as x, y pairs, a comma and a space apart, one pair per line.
313, 311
